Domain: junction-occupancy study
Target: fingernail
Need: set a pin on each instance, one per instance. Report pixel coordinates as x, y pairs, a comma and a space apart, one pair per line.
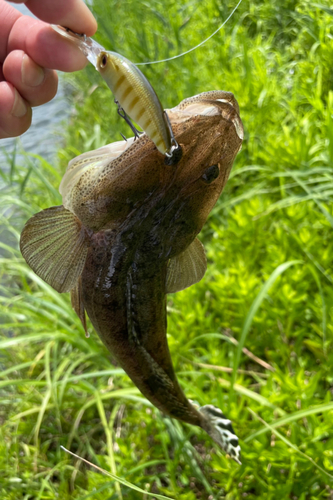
32, 74
19, 108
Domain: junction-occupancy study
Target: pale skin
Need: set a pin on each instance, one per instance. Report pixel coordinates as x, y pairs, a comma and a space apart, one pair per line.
30, 52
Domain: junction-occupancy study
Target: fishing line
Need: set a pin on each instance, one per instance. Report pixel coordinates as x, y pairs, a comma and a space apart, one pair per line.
197, 46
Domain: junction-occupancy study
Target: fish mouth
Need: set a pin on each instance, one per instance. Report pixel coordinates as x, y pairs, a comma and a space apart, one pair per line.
216, 102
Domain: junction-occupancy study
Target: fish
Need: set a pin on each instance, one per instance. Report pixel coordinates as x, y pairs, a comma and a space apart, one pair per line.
132, 91
126, 236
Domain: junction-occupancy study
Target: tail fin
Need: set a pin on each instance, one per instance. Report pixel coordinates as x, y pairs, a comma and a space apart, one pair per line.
219, 427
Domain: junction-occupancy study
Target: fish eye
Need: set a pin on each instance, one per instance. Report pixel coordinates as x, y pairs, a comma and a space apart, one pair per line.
210, 174
103, 61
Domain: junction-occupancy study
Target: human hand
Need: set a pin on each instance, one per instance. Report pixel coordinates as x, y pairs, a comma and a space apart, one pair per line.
30, 51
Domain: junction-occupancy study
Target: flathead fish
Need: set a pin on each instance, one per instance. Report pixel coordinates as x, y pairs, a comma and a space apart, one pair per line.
126, 235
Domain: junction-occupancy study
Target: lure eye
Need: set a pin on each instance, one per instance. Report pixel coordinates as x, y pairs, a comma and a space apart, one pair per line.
103, 61
210, 174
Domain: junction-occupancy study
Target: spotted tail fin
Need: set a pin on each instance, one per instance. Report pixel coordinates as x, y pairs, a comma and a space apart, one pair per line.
219, 427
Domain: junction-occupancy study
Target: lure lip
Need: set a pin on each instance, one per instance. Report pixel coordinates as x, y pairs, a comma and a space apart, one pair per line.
90, 48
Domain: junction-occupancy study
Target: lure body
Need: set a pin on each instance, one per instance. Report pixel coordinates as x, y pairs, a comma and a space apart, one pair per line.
136, 96
130, 88
125, 236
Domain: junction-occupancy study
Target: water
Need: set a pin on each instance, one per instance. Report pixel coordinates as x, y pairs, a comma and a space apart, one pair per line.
44, 135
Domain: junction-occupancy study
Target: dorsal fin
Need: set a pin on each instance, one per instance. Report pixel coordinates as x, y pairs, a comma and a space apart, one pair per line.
55, 244
186, 268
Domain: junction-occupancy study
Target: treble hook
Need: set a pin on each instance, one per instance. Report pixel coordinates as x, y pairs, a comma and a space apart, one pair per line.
173, 156
121, 112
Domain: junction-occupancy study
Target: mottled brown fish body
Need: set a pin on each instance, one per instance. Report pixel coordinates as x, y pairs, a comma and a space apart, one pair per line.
124, 293
125, 300
129, 227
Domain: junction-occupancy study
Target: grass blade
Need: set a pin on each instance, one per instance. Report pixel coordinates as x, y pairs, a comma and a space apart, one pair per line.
252, 312
119, 479
290, 444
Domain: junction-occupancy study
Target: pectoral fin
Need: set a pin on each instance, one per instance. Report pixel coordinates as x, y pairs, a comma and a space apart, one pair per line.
186, 268
55, 244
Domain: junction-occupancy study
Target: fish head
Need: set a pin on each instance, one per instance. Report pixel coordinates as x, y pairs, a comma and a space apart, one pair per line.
209, 130
106, 186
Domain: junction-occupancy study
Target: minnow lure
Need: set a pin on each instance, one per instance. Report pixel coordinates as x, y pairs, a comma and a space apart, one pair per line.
132, 91
125, 236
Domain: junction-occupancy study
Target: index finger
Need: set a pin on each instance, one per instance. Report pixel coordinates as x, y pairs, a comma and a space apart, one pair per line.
73, 14
44, 45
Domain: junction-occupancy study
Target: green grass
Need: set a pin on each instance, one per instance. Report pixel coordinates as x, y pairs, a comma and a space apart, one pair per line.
254, 337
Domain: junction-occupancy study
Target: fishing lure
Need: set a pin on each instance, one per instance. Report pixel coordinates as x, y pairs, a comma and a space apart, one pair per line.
133, 93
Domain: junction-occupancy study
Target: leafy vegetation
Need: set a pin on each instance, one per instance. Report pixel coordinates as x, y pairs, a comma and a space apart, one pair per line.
254, 337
